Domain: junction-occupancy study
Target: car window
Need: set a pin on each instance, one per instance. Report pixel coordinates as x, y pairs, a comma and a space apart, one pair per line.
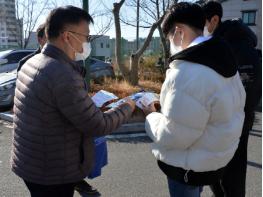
4, 53
16, 57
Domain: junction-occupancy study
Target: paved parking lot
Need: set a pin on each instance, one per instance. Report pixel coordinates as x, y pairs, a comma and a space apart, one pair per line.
132, 170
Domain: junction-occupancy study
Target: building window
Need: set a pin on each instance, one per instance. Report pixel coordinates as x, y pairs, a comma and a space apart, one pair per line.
101, 45
108, 46
249, 17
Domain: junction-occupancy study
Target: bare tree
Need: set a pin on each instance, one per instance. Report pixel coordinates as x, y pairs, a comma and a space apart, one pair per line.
138, 23
119, 62
131, 73
152, 10
135, 57
28, 13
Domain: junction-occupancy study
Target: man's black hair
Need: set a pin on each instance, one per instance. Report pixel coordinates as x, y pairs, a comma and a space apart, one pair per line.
41, 30
186, 13
212, 8
62, 16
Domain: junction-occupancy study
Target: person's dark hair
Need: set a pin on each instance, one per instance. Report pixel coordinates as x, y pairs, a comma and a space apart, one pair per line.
62, 16
41, 31
212, 8
186, 13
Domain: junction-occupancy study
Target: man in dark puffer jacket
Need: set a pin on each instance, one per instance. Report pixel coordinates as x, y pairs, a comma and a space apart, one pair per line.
55, 121
243, 42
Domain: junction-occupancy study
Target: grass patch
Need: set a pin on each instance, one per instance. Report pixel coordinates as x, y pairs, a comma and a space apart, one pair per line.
122, 88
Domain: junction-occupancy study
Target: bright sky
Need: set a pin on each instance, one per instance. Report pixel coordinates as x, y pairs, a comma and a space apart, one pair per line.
96, 7
105, 6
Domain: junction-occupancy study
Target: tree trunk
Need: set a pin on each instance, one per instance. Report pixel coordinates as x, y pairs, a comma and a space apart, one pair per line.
137, 26
135, 58
134, 69
165, 48
163, 40
119, 62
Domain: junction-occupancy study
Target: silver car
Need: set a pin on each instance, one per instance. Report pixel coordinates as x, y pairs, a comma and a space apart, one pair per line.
98, 70
9, 59
7, 89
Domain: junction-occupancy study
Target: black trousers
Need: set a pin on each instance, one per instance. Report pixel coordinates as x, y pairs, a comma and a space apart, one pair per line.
233, 183
64, 190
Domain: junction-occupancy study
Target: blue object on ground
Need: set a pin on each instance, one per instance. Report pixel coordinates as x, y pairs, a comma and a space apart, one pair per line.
101, 157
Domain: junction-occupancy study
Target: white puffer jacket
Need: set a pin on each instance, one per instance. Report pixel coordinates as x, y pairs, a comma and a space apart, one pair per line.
201, 118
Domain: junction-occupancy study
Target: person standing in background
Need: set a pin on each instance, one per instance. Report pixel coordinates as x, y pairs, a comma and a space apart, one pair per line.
243, 42
41, 38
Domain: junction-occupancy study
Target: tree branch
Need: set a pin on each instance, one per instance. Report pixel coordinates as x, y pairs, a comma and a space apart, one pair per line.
130, 24
149, 37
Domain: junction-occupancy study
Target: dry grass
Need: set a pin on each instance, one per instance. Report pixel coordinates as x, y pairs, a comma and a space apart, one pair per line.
119, 88
123, 89
151, 86
150, 79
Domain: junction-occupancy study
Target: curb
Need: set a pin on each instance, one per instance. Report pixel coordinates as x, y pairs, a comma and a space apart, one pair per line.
131, 128
137, 127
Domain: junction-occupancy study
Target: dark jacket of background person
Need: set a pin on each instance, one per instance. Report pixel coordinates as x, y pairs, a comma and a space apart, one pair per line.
55, 121
23, 61
243, 42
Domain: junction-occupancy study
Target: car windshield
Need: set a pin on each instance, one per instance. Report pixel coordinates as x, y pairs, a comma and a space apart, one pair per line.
4, 53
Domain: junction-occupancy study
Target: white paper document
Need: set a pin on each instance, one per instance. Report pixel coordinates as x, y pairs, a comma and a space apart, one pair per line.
142, 98
147, 99
102, 97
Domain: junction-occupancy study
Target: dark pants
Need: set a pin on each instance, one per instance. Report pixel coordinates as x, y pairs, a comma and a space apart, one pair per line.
64, 190
177, 189
233, 183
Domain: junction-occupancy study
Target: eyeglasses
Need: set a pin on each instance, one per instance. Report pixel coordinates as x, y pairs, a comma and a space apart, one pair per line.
88, 37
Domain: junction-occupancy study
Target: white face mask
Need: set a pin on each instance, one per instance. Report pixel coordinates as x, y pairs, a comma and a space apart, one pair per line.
206, 32
86, 50
86, 47
174, 49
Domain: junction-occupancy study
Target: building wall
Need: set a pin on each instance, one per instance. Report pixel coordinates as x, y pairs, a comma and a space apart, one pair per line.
101, 47
32, 42
233, 9
9, 31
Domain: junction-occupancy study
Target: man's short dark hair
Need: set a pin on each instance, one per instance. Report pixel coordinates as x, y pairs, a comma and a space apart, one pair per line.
62, 16
186, 13
212, 8
41, 31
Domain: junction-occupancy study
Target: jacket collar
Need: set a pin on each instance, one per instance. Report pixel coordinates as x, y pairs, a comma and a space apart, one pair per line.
214, 53
56, 53
199, 40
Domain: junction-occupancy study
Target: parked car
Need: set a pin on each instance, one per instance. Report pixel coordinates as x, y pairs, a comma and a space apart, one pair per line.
9, 59
98, 70
7, 89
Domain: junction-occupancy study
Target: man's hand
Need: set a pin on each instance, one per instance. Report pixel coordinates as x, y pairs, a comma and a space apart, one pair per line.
130, 102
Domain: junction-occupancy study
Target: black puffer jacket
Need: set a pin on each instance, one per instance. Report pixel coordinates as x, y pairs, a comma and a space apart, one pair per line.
243, 42
55, 120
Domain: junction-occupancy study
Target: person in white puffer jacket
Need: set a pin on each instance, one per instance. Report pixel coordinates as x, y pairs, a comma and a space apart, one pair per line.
202, 105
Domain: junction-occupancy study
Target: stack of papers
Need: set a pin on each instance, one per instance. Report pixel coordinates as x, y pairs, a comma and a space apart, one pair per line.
141, 99
102, 97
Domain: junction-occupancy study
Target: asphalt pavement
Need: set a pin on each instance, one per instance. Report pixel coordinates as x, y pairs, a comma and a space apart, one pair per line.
132, 170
